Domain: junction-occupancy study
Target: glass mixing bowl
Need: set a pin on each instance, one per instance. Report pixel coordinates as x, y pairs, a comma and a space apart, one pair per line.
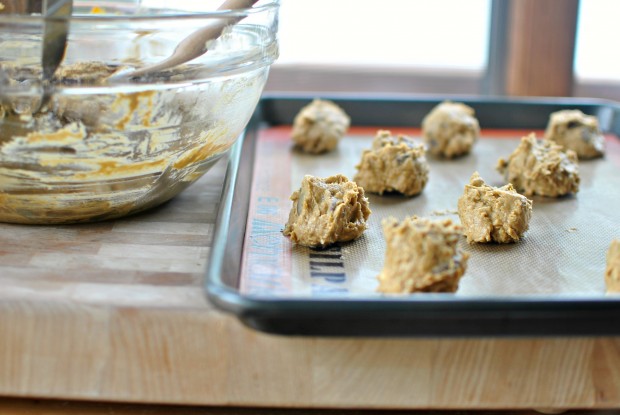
104, 146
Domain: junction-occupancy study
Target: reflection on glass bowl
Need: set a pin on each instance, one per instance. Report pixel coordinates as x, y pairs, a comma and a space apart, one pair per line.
103, 149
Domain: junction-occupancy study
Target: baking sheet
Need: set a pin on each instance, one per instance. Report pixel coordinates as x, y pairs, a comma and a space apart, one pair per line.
265, 296
562, 254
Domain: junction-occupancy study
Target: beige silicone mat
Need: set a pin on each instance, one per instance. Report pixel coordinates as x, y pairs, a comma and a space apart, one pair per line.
563, 253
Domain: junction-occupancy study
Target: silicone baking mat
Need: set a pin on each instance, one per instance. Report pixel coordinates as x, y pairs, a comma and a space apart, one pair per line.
563, 253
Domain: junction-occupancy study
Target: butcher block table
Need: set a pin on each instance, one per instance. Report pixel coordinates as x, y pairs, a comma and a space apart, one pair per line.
115, 311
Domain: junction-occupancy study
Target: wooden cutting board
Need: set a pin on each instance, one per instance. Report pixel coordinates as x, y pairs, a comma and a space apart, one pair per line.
115, 311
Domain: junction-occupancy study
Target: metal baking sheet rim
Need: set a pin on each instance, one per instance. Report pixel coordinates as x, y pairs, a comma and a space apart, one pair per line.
430, 315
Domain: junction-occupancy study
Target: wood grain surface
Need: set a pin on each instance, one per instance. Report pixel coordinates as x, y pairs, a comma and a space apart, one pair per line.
114, 311
13, 406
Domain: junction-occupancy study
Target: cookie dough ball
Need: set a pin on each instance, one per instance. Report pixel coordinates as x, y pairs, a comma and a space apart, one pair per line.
326, 211
612, 272
493, 214
450, 129
421, 256
541, 168
393, 164
574, 130
319, 126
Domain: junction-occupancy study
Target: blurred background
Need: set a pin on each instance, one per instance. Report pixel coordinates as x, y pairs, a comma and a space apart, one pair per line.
492, 47
474, 47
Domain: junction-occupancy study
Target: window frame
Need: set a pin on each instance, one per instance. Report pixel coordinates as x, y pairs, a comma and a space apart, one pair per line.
519, 63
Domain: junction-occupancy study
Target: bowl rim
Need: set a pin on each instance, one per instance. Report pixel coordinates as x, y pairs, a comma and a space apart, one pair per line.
167, 14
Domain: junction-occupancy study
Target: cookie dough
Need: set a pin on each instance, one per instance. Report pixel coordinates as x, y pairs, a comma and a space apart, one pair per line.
326, 211
612, 272
393, 164
421, 256
574, 130
450, 129
541, 168
97, 156
319, 126
493, 214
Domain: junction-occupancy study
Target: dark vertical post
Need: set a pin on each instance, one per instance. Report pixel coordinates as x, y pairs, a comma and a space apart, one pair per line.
494, 82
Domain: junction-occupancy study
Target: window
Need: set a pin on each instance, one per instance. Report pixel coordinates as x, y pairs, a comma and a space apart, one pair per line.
597, 63
439, 46
446, 34
382, 46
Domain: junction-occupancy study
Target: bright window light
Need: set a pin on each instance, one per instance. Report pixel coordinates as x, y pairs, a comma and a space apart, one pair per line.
447, 34
596, 54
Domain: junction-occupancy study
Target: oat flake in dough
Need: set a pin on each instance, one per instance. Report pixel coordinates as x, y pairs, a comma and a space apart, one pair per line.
326, 211
612, 272
393, 164
493, 214
319, 126
541, 168
450, 129
574, 130
421, 256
